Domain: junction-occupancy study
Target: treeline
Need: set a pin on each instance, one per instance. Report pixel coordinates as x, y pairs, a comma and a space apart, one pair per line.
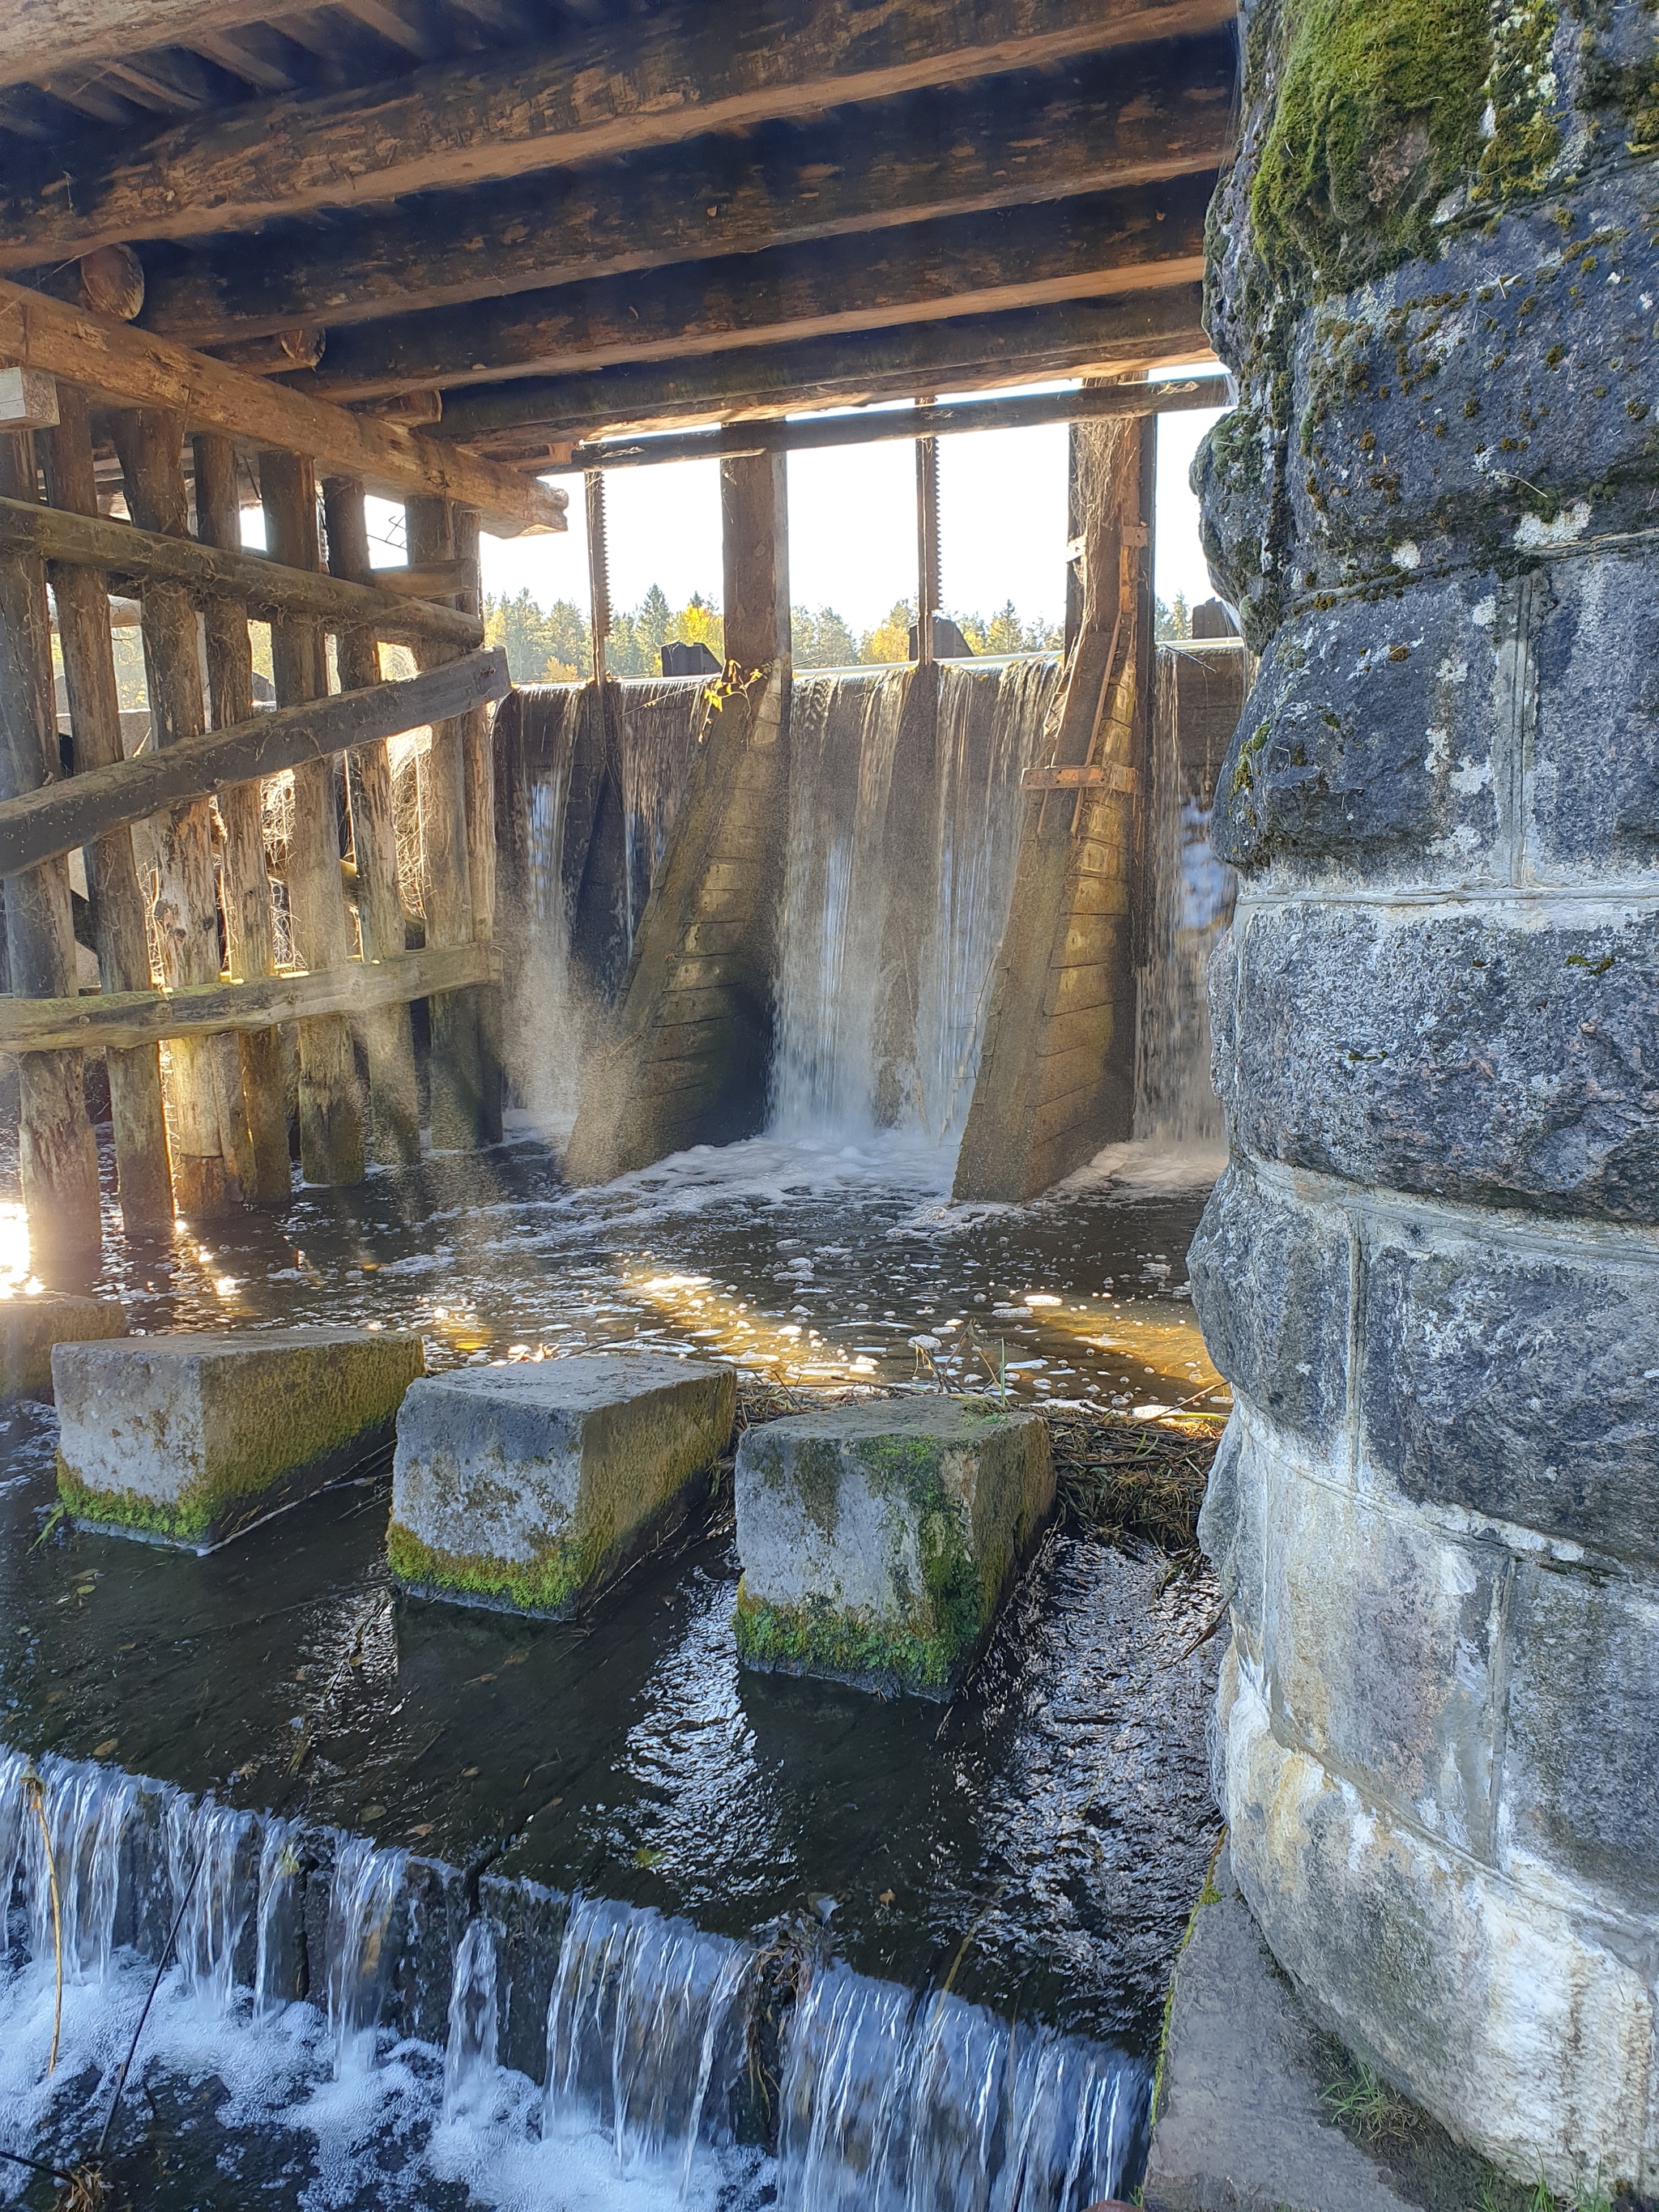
552, 645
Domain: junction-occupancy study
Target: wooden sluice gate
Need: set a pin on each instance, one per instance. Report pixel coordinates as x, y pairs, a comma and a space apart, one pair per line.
186, 917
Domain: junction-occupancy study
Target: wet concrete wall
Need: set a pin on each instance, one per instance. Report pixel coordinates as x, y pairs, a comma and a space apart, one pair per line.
1429, 1272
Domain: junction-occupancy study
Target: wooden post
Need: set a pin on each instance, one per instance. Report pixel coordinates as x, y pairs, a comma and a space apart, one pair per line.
926, 543
455, 1086
244, 878
479, 754
58, 1156
143, 1178
203, 1074
394, 1101
755, 526
331, 1109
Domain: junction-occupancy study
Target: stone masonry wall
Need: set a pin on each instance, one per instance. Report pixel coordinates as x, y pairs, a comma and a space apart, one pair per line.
1431, 1271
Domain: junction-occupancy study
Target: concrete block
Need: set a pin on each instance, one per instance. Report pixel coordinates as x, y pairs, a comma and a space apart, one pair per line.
192, 1439
527, 1488
30, 1326
878, 1540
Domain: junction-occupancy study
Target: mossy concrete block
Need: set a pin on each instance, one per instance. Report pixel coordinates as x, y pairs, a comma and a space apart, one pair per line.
528, 1488
878, 1540
30, 1326
192, 1439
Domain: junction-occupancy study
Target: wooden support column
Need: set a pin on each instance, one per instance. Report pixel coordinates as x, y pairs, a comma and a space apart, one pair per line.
928, 580
1056, 1076
244, 877
330, 1106
479, 758
455, 1084
394, 1103
692, 1060
143, 1178
203, 1074
57, 1156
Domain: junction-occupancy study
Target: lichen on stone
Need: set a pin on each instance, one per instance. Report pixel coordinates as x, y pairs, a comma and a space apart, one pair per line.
1523, 137
1379, 116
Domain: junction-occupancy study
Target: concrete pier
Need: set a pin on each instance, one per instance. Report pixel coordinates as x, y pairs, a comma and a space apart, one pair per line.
192, 1439
30, 1326
877, 1542
528, 1488
1430, 1273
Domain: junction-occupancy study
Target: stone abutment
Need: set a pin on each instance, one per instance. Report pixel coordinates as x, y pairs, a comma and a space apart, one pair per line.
1430, 1271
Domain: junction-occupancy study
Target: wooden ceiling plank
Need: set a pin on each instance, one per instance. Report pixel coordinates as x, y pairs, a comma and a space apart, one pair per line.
684, 70
386, 23
1014, 257
128, 367
1139, 330
1160, 113
37, 36
239, 60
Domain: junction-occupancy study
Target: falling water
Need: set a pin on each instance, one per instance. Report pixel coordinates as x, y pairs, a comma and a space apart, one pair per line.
470, 2050
276, 1916
895, 2105
1193, 893
899, 869
208, 1848
362, 1899
87, 1810
644, 2032
656, 723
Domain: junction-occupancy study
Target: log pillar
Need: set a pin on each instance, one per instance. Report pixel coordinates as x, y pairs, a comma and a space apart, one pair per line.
455, 1082
143, 1175
479, 754
1056, 1075
203, 1074
244, 876
1430, 1271
57, 1156
394, 1104
330, 1106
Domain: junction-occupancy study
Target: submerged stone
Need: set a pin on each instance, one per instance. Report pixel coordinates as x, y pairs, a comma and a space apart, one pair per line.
30, 1326
192, 1439
878, 1540
528, 1488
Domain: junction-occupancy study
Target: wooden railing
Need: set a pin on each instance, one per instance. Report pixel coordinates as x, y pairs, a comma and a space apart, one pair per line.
187, 942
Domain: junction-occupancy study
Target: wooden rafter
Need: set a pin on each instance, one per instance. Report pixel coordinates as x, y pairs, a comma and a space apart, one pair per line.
126, 365
653, 80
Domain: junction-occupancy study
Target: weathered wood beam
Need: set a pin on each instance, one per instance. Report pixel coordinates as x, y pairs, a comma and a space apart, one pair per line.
975, 352
39, 825
143, 1175
129, 367
39, 36
1012, 258
244, 874
681, 71
873, 426
1144, 117
58, 1158
264, 586
127, 1019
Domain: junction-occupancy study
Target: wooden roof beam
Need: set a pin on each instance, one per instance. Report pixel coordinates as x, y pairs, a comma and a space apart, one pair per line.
1146, 117
1138, 330
127, 366
652, 80
1109, 243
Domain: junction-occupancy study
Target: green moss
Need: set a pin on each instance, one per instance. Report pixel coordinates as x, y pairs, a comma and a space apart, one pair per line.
189, 1521
1632, 91
817, 1638
1379, 116
552, 1583
1525, 139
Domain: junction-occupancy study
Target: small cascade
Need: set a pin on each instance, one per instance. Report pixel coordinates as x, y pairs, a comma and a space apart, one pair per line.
644, 2032
471, 2049
844, 734
545, 999
87, 1812
1192, 904
903, 830
988, 729
362, 1896
277, 1916
656, 722
893, 2104
209, 1848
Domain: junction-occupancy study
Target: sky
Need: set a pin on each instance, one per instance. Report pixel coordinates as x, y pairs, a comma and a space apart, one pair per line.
852, 528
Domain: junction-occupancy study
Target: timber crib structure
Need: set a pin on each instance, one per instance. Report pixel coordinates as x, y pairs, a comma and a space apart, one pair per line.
203, 957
